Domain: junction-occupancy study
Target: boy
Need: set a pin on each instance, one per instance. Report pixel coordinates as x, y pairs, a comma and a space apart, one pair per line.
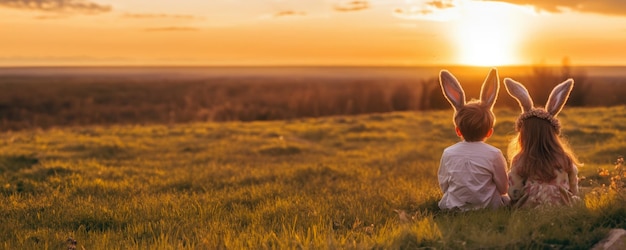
472, 173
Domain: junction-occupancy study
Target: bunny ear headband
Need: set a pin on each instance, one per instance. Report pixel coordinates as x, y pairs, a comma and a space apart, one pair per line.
453, 91
556, 101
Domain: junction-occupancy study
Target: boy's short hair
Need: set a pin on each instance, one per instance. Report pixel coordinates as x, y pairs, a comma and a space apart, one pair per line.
474, 121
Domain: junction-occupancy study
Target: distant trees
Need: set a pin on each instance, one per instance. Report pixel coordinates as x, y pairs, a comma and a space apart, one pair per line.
402, 98
544, 78
582, 85
424, 95
47, 101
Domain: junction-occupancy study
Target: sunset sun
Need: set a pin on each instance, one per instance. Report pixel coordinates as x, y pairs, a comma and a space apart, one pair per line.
485, 36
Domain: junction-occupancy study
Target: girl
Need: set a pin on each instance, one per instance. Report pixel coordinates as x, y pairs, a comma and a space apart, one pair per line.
543, 169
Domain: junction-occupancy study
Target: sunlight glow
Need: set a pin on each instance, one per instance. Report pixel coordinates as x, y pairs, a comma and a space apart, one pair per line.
487, 36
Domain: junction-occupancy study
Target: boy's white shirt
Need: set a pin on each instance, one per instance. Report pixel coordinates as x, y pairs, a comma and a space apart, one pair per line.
472, 175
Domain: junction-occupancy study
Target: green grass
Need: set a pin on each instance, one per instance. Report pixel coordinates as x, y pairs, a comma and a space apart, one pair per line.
322, 183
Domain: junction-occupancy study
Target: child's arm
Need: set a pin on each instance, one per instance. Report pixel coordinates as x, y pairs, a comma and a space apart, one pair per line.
442, 176
499, 175
516, 185
573, 180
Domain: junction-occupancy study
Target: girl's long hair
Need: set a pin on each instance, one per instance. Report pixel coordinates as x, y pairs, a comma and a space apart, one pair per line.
538, 151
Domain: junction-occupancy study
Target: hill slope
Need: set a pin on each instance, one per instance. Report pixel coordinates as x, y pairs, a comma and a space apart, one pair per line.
335, 182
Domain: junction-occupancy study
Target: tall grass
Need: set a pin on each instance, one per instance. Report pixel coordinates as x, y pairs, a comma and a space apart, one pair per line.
343, 182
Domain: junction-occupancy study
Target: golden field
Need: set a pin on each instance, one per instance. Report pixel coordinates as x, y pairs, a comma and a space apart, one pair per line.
337, 182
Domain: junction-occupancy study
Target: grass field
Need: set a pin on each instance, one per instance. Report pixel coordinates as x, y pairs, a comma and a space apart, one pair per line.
348, 182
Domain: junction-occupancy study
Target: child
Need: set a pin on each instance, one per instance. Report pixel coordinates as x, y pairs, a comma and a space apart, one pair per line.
543, 169
472, 173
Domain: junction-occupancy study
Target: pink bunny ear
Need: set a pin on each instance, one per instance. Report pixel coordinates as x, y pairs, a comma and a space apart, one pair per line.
489, 90
559, 96
452, 89
520, 93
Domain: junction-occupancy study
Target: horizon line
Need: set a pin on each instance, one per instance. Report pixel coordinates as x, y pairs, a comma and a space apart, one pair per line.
301, 66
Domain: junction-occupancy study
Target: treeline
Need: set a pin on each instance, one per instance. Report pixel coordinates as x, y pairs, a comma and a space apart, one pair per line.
28, 102
48, 101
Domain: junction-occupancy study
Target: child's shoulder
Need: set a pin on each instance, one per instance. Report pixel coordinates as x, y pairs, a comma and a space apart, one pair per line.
478, 147
491, 147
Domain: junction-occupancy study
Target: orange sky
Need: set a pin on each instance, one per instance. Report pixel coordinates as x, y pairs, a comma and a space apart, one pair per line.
311, 32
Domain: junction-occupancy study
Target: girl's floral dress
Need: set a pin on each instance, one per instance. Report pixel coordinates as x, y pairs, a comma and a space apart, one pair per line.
563, 190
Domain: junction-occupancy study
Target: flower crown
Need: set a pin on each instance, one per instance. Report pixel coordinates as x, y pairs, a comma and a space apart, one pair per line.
541, 114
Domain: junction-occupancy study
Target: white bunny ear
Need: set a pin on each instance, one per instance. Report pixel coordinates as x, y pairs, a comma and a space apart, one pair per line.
520, 93
559, 96
452, 89
489, 90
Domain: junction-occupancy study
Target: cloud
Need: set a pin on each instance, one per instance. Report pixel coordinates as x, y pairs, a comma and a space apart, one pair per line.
441, 4
73, 6
157, 16
412, 12
171, 29
606, 7
289, 13
354, 5
49, 17
433, 10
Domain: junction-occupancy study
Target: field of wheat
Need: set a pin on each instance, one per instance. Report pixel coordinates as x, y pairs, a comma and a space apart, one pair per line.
350, 182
